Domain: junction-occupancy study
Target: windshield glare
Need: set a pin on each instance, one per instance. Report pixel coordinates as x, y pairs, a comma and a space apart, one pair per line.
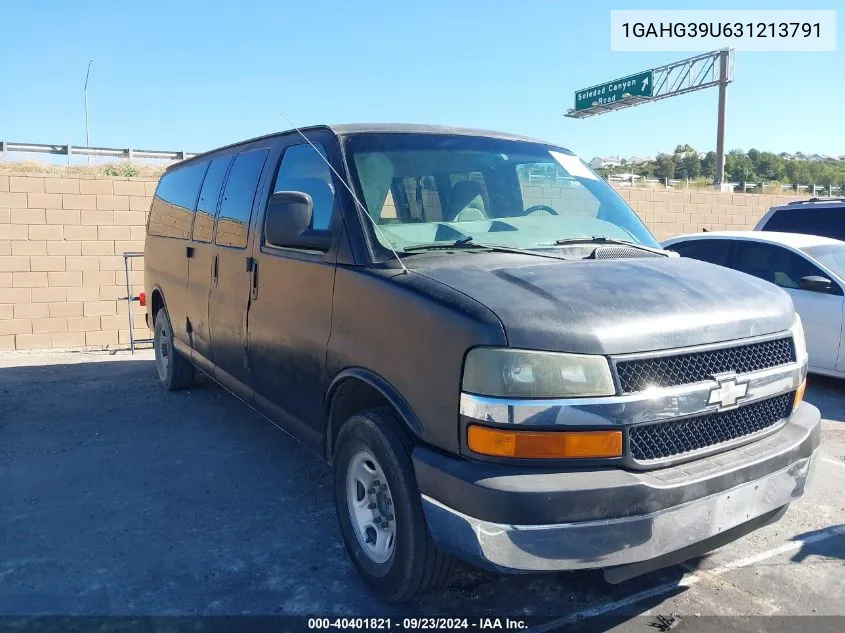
429, 188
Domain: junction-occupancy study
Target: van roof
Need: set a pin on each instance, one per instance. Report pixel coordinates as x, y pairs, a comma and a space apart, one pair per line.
382, 128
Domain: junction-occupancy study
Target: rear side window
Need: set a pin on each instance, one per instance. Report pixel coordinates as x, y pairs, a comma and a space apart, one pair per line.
236, 207
713, 251
825, 221
172, 211
302, 169
210, 193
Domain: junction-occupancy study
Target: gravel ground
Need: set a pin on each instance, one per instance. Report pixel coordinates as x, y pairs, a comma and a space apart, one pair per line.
120, 498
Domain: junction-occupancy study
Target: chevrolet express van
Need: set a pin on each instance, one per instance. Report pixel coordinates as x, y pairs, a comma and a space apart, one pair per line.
488, 346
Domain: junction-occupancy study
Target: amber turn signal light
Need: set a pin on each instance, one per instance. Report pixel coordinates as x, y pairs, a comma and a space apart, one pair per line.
544, 444
799, 394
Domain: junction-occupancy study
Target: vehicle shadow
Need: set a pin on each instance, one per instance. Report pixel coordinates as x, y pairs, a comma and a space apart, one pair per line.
826, 393
122, 498
828, 542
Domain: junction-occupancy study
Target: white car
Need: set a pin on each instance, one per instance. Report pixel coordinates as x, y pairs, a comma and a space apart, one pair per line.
810, 268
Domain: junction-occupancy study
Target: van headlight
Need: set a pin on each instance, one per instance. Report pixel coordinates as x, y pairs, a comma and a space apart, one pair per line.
532, 374
798, 341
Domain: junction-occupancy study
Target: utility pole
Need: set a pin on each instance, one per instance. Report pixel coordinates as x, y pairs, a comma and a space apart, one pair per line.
87, 139
720, 125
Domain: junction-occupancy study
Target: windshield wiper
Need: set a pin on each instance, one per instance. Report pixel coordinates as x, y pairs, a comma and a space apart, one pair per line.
468, 243
464, 242
597, 239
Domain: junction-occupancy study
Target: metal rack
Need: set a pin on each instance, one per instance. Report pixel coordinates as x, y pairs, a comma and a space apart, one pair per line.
129, 299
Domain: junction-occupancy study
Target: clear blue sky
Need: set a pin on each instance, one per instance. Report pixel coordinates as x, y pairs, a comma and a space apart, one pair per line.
196, 75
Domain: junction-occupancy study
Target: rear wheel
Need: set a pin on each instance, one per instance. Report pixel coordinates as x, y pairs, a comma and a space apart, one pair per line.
173, 369
379, 510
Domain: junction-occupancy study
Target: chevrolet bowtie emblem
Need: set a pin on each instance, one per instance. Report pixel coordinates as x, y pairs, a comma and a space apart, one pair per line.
728, 391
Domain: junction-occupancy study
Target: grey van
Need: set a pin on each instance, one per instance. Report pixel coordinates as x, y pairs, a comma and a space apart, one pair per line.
488, 346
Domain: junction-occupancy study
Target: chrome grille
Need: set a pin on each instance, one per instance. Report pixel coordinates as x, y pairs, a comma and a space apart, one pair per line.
682, 369
669, 439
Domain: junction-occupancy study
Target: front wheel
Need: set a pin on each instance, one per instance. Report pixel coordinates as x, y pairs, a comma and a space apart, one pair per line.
379, 510
173, 369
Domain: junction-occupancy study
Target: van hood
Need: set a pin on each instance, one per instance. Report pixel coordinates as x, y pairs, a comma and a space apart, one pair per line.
614, 306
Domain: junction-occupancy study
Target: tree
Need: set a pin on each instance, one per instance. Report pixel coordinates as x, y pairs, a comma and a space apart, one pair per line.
797, 172
738, 167
683, 149
690, 166
768, 166
708, 165
665, 166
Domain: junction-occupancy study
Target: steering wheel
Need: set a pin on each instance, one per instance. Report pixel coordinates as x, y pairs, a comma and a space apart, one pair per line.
540, 207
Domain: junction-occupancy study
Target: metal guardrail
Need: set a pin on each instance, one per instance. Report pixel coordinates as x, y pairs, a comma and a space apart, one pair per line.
71, 150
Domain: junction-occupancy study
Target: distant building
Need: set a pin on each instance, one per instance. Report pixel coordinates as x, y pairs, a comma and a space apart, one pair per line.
623, 177
600, 162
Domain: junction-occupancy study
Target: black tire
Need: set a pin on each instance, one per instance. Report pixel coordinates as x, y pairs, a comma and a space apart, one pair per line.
415, 565
174, 371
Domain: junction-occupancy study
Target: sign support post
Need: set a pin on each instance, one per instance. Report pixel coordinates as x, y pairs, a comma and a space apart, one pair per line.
720, 124
715, 68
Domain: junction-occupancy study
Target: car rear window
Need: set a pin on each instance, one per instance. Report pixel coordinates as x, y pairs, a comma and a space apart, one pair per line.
827, 221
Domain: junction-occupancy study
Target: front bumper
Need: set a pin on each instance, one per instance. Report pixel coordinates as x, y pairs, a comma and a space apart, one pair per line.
536, 520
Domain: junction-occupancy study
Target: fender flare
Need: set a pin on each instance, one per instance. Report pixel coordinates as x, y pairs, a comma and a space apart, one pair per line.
377, 382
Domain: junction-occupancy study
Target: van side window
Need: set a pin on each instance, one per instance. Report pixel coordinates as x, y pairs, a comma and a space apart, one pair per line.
302, 169
172, 210
236, 207
209, 195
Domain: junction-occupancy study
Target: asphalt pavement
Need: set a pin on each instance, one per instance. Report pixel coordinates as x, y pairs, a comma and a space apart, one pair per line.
117, 497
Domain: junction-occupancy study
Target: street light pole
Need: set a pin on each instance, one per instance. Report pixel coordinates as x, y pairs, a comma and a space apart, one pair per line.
87, 139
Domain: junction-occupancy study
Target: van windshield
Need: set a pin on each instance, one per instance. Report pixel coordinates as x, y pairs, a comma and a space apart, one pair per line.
439, 188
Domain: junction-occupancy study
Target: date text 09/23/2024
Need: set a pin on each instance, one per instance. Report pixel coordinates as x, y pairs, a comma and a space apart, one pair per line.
418, 623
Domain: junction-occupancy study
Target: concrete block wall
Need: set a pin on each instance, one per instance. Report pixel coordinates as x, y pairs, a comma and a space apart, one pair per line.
62, 237
61, 265
669, 212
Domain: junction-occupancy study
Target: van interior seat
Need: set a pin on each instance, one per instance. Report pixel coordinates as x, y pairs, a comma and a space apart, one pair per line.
466, 202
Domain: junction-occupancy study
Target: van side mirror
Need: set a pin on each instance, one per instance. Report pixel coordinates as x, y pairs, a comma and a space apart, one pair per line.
815, 283
287, 222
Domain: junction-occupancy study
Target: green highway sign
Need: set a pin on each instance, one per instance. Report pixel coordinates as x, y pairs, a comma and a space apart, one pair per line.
638, 85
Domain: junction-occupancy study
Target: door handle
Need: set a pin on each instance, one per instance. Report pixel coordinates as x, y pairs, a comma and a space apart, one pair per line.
254, 290
189, 251
250, 262
214, 272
